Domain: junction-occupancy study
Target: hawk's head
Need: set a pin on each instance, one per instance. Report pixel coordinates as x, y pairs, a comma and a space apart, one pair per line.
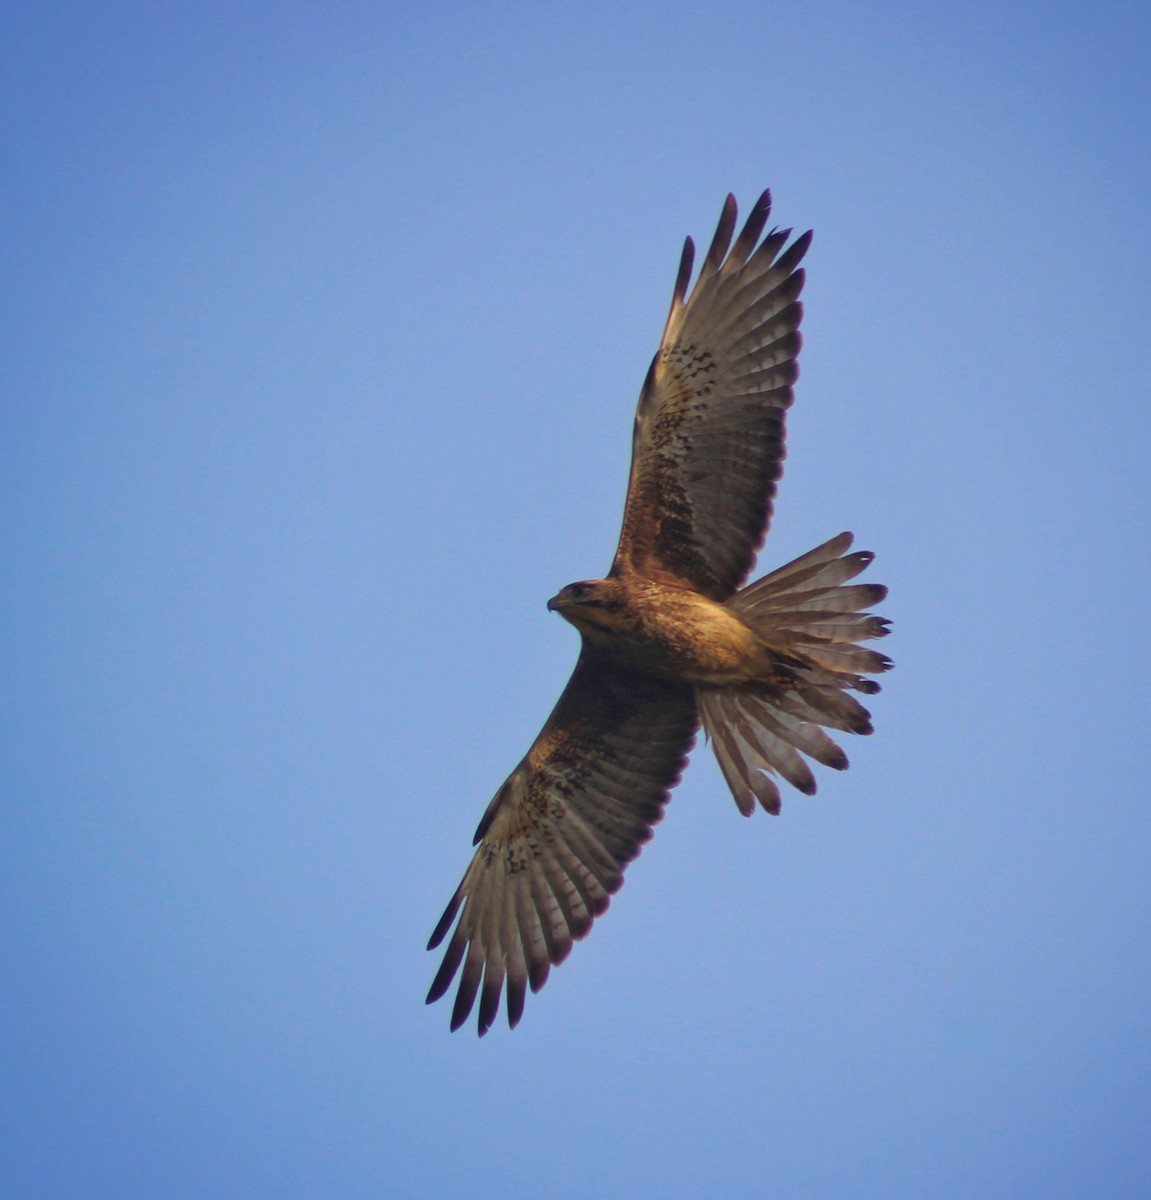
594, 606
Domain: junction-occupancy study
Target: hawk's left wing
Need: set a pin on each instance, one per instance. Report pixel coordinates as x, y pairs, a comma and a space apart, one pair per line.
555, 840
709, 428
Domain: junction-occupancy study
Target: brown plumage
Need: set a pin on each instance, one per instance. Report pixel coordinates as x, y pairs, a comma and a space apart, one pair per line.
667, 640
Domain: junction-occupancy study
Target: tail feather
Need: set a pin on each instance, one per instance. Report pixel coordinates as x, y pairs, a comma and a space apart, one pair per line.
805, 611
829, 599
737, 750
845, 658
839, 627
830, 559
829, 706
761, 729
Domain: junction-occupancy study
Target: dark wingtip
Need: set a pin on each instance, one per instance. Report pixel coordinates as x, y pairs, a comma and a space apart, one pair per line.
722, 239
445, 922
437, 989
538, 971
793, 255
752, 228
489, 1002
447, 971
686, 261
515, 1003
462, 1009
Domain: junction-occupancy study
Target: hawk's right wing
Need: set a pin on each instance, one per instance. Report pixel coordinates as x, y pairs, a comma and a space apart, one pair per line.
554, 842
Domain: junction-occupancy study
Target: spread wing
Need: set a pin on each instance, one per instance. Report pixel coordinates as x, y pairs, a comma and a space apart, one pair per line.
709, 429
554, 842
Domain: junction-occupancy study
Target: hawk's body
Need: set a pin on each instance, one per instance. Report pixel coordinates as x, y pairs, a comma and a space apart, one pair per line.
668, 641
667, 631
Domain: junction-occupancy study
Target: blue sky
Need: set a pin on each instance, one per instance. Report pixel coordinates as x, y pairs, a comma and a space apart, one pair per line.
322, 328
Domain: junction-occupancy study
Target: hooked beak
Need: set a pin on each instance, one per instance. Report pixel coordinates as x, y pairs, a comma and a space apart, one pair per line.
554, 603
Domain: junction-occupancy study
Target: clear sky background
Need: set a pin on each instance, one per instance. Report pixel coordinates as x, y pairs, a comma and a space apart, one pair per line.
322, 327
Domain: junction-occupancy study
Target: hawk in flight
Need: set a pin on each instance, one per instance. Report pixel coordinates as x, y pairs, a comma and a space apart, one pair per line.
670, 639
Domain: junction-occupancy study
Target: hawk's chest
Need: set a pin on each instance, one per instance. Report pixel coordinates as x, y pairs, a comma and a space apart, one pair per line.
681, 635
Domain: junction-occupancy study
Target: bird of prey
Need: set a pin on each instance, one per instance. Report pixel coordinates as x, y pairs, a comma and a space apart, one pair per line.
671, 639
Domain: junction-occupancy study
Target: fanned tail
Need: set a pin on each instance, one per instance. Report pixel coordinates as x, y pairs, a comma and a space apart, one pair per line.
813, 618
